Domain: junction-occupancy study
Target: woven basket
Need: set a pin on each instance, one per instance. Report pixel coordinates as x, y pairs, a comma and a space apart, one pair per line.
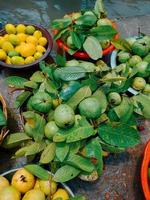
3, 131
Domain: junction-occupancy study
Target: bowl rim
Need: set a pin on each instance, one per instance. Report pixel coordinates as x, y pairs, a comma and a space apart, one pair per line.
82, 54
48, 50
64, 185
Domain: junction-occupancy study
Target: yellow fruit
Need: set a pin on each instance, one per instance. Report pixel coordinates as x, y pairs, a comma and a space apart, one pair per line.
20, 28
37, 55
3, 182
42, 41
27, 50
34, 194
17, 60
7, 46
40, 48
32, 39
48, 187
3, 54
37, 34
29, 59
9, 193
6, 37
62, 194
18, 49
23, 181
22, 37
30, 29
2, 40
10, 28
14, 40
8, 60
37, 184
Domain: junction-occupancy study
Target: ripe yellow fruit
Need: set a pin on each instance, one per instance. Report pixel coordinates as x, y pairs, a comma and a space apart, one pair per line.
7, 46
30, 29
20, 28
62, 194
22, 37
10, 193
27, 50
34, 194
37, 34
6, 37
3, 54
48, 187
29, 59
3, 182
23, 181
18, 48
10, 28
42, 41
37, 55
17, 60
2, 40
40, 49
8, 60
32, 39
37, 184
14, 40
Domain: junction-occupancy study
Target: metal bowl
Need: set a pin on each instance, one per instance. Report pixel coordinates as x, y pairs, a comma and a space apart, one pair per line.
10, 173
49, 46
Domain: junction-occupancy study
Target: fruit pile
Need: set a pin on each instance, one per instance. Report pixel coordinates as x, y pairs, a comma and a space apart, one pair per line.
26, 186
21, 44
136, 60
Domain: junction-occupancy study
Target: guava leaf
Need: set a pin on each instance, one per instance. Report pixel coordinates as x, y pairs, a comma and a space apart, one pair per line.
121, 135
91, 82
80, 162
92, 47
3, 121
37, 77
110, 148
62, 150
76, 40
48, 154
61, 23
31, 84
80, 197
61, 60
81, 94
141, 105
34, 148
15, 81
86, 20
60, 33
121, 44
99, 8
21, 98
62, 176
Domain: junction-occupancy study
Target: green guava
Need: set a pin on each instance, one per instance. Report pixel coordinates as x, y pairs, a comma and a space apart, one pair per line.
147, 88
147, 58
134, 60
51, 129
123, 56
105, 44
141, 67
90, 108
64, 116
41, 102
139, 83
114, 98
140, 48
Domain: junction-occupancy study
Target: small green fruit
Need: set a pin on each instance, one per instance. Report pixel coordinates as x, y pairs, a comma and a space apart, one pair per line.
114, 98
147, 58
139, 83
64, 116
141, 67
90, 108
140, 48
51, 129
147, 88
134, 60
13, 53
123, 56
105, 44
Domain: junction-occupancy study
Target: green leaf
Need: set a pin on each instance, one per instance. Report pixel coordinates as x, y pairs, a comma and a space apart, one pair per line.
62, 150
71, 73
111, 149
80, 162
50, 87
15, 139
99, 8
91, 82
121, 44
62, 176
3, 121
21, 98
48, 154
141, 105
61, 23
21, 152
104, 32
15, 81
37, 77
38, 171
93, 47
76, 40
86, 20
31, 84
60, 33
34, 148
81, 94
100, 96
121, 135
61, 60
74, 147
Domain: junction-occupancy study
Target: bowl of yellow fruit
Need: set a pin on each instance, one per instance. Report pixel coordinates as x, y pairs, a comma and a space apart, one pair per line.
24, 45
21, 184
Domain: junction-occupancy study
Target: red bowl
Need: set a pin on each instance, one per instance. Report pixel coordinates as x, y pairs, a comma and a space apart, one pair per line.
49, 47
82, 54
144, 171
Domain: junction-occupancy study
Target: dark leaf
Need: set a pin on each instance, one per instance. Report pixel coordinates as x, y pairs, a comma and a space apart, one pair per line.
15, 81
21, 98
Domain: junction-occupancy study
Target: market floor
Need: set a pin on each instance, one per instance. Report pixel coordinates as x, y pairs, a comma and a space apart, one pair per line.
43, 11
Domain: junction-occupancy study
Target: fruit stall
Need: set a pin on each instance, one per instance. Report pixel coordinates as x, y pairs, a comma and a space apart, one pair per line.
74, 108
